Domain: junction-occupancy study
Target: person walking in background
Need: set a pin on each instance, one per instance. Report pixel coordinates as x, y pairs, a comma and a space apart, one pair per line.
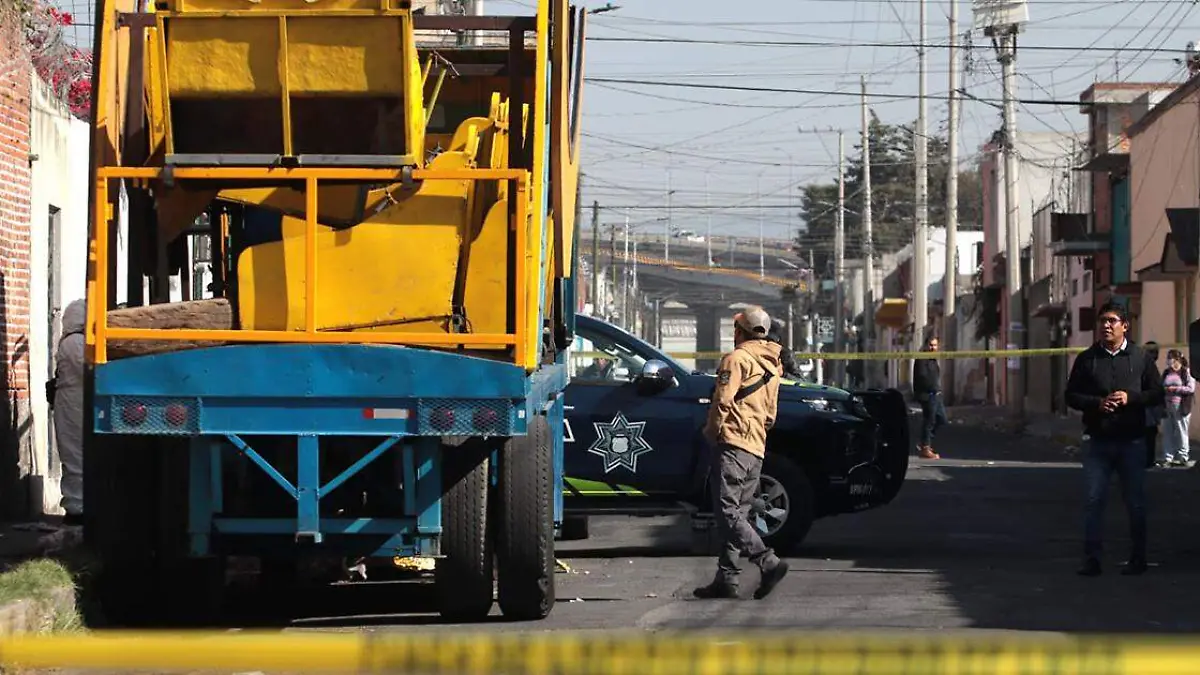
743, 410
1113, 383
1180, 389
1154, 414
927, 389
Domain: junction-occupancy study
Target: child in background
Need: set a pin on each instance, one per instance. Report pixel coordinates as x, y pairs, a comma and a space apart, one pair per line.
1180, 389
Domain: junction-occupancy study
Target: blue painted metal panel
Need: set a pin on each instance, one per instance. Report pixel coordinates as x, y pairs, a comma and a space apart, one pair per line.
326, 417
308, 489
312, 389
250, 371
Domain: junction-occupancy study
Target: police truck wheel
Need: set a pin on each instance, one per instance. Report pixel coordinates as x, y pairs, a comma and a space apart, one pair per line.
782, 512
464, 576
525, 527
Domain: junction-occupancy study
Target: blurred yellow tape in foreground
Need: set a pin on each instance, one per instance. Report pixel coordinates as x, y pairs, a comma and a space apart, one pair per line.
564, 654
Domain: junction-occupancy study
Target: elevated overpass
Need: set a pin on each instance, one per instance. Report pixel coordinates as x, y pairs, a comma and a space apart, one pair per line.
707, 291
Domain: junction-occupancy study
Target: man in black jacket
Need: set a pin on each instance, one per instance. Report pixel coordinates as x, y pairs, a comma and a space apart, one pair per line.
1113, 383
927, 389
788, 359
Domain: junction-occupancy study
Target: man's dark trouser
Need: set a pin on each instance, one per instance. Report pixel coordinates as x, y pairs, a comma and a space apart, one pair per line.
1101, 458
735, 474
934, 413
1151, 446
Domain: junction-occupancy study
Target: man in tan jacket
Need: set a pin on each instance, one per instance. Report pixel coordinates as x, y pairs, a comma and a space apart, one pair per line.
743, 409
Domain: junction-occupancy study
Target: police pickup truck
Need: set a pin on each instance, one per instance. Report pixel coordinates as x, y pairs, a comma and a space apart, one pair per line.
634, 443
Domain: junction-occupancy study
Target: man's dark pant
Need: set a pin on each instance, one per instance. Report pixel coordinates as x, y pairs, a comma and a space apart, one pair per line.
1127, 458
735, 475
934, 413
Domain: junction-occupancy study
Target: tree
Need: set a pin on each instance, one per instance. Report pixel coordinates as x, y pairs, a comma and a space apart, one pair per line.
893, 204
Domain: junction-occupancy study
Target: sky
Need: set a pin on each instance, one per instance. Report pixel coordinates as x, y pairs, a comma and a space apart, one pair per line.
732, 151
724, 154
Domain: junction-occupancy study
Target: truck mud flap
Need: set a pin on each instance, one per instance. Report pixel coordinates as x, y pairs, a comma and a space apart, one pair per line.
890, 409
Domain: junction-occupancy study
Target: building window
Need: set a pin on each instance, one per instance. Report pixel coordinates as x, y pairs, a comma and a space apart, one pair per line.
1087, 281
1074, 287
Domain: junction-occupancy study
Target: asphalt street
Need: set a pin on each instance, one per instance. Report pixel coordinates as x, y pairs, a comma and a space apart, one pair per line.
987, 538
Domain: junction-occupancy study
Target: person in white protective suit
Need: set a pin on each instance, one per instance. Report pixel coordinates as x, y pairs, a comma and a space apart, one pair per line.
68, 409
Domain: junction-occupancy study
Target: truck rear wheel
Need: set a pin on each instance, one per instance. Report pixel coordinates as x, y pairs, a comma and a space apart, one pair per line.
464, 575
525, 545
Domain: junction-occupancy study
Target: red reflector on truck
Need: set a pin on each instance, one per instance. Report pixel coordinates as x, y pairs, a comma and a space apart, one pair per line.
134, 414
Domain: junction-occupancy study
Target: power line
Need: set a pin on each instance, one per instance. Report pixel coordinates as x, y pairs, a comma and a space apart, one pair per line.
835, 44
812, 92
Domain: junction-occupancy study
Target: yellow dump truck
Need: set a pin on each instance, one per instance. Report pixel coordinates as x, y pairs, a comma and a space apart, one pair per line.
376, 372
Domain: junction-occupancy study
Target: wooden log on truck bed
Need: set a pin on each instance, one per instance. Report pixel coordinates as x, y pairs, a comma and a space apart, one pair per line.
211, 314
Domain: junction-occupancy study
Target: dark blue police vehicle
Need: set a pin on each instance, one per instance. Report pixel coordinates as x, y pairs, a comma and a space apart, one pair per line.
634, 442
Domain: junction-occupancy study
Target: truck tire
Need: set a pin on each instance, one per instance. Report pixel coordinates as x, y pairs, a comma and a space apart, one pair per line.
464, 575
525, 542
784, 485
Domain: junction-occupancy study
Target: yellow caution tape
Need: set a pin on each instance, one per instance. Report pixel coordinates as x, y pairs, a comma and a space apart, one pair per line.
890, 356
566, 654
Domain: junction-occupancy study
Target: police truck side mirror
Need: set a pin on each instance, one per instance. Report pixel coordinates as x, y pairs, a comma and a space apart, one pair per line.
656, 376
1193, 347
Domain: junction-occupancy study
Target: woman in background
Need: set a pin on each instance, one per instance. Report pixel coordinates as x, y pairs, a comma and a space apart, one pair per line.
1180, 388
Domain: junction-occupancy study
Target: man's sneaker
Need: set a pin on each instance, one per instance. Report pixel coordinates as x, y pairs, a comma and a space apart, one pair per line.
1089, 568
717, 590
1134, 567
926, 452
770, 579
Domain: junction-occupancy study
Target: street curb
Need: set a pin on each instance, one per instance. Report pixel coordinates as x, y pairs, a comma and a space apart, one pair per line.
37, 616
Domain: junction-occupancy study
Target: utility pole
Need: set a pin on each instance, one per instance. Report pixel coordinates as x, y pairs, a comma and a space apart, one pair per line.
595, 258
839, 263
612, 261
868, 238
1002, 22
708, 218
950, 280
761, 258
921, 234
667, 240
1015, 328
625, 280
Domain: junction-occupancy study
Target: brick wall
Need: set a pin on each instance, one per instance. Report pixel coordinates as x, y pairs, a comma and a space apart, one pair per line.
15, 217
20, 484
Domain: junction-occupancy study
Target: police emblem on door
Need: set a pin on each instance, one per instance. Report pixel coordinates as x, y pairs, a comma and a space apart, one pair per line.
619, 443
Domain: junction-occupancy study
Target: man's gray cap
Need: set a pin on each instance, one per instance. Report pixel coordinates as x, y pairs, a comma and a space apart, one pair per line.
754, 320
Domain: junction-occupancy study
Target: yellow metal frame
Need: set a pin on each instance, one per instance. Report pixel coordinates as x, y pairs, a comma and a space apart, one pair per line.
527, 230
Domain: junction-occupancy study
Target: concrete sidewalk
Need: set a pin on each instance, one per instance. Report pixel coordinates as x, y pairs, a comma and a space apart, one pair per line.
1065, 430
